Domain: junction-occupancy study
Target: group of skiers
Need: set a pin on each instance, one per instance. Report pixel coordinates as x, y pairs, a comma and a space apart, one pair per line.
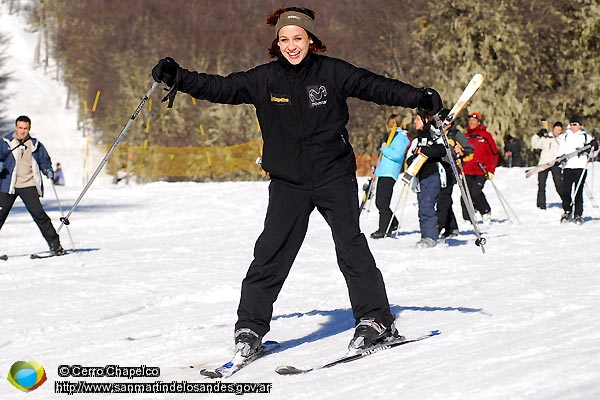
575, 147
475, 154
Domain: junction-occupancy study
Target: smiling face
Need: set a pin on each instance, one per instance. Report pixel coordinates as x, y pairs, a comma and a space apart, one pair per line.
575, 126
294, 43
473, 123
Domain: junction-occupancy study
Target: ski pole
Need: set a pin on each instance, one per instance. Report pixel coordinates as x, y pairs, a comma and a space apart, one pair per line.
503, 201
404, 197
590, 195
373, 181
462, 185
372, 191
62, 213
574, 193
65, 220
368, 194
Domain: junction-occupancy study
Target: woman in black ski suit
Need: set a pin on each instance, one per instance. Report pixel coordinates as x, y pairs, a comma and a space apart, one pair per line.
300, 100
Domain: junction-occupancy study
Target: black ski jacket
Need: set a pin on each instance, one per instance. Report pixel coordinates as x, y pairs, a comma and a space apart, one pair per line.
302, 111
431, 148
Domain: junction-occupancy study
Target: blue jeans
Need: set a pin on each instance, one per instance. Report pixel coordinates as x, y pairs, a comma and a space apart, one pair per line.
428, 197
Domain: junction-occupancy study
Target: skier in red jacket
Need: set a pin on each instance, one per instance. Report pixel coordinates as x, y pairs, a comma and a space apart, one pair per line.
485, 154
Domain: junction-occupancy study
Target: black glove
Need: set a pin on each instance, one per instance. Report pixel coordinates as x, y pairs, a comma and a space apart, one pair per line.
542, 132
594, 144
166, 71
49, 173
430, 101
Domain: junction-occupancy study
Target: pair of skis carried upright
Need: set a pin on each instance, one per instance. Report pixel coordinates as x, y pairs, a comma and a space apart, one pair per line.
443, 126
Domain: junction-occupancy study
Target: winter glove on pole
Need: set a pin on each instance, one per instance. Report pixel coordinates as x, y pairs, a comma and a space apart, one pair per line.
488, 175
49, 173
542, 132
167, 71
430, 101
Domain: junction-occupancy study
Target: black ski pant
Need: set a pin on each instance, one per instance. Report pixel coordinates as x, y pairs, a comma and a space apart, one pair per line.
542, 178
383, 197
285, 227
571, 179
31, 199
475, 185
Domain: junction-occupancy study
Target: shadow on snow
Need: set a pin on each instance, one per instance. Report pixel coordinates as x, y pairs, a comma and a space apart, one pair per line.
341, 320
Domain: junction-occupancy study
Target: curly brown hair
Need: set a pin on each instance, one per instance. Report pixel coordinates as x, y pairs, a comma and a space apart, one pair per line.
272, 19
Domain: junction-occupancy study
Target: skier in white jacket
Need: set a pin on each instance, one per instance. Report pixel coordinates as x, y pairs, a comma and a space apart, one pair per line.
547, 142
574, 168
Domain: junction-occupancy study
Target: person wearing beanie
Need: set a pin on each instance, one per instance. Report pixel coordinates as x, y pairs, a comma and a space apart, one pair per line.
430, 178
485, 153
301, 104
547, 142
574, 169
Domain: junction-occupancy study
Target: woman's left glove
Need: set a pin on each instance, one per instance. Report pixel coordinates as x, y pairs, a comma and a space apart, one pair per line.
430, 101
166, 71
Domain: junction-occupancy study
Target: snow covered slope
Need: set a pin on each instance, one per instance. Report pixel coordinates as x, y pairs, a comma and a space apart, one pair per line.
157, 283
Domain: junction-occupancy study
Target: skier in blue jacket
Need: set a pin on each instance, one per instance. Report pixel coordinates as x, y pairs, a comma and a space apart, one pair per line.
22, 160
387, 172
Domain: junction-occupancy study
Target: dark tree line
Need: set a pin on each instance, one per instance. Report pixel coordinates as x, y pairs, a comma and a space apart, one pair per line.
540, 58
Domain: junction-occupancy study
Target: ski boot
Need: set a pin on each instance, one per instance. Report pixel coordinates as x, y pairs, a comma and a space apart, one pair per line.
57, 250
369, 333
565, 217
247, 342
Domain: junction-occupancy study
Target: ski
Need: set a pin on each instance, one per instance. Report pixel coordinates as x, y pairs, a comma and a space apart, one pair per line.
45, 254
472, 88
550, 164
291, 370
238, 362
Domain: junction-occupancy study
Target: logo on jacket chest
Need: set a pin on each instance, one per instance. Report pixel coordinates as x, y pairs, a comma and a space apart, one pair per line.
279, 99
317, 95
424, 142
